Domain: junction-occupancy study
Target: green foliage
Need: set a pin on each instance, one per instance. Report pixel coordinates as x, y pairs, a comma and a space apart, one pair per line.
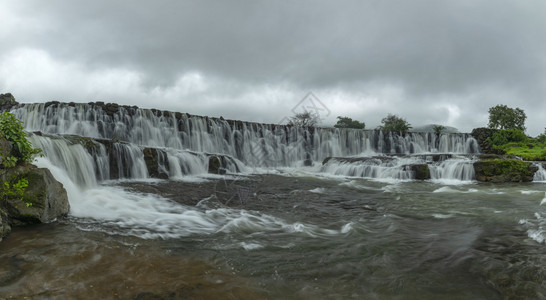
346, 122
438, 129
394, 123
305, 119
16, 190
12, 130
504, 166
503, 137
504, 117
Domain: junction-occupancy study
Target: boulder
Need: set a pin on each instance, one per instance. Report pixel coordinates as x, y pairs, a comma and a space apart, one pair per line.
504, 170
420, 171
7, 101
5, 149
215, 164
43, 201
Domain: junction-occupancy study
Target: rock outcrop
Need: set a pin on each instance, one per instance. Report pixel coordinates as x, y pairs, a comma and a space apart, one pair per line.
504, 170
43, 200
482, 135
28, 194
7, 101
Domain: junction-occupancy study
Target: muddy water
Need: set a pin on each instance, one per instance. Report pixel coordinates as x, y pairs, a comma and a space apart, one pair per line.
297, 236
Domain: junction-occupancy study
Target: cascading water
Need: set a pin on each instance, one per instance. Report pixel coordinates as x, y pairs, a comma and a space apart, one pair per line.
460, 169
94, 161
540, 175
254, 144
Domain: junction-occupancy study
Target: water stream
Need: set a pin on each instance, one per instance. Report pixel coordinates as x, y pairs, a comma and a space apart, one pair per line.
360, 228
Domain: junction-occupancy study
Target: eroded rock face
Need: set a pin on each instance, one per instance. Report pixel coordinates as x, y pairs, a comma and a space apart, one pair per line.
43, 201
504, 170
481, 135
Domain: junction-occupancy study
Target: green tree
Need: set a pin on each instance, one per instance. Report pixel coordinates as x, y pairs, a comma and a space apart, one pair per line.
438, 129
504, 117
305, 119
394, 123
346, 122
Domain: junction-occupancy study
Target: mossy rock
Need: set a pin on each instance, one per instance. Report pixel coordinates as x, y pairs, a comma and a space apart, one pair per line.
43, 201
504, 170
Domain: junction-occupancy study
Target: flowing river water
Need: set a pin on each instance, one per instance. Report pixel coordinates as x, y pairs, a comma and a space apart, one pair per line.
272, 231
285, 235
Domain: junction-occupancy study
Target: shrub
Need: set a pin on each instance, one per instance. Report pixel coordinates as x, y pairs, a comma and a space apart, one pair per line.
12, 130
503, 137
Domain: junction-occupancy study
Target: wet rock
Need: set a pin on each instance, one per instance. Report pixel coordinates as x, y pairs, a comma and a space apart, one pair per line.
214, 164
504, 170
420, 171
155, 163
43, 200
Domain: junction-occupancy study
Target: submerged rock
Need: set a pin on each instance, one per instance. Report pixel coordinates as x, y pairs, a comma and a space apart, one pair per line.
504, 170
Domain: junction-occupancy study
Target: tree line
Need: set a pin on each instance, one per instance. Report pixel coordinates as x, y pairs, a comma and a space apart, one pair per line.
501, 117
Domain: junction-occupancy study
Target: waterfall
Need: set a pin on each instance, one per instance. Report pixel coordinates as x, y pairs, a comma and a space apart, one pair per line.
540, 175
373, 167
440, 167
254, 144
89, 161
460, 169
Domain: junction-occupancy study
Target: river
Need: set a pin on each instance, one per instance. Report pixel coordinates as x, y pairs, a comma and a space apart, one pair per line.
288, 234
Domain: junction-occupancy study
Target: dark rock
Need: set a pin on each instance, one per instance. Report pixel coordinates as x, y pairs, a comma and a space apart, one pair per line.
504, 170
7, 101
155, 163
326, 160
5, 149
482, 135
307, 162
214, 164
44, 199
420, 171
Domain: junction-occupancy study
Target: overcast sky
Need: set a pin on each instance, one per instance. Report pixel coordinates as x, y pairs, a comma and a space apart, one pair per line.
429, 61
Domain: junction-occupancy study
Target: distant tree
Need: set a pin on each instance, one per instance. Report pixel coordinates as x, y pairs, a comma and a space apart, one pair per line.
438, 129
504, 117
346, 122
394, 123
305, 119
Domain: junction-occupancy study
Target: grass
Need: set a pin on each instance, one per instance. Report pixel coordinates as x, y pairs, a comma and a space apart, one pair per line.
531, 151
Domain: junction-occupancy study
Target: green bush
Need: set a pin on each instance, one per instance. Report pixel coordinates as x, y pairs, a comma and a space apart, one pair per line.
505, 136
12, 129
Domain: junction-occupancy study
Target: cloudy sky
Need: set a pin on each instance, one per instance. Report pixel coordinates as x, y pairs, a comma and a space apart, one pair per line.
429, 61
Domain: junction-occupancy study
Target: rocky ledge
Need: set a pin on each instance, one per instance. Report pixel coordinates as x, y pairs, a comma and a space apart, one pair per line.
28, 195
504, 170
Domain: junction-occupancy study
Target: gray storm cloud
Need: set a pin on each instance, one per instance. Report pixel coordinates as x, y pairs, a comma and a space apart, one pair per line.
429, 61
